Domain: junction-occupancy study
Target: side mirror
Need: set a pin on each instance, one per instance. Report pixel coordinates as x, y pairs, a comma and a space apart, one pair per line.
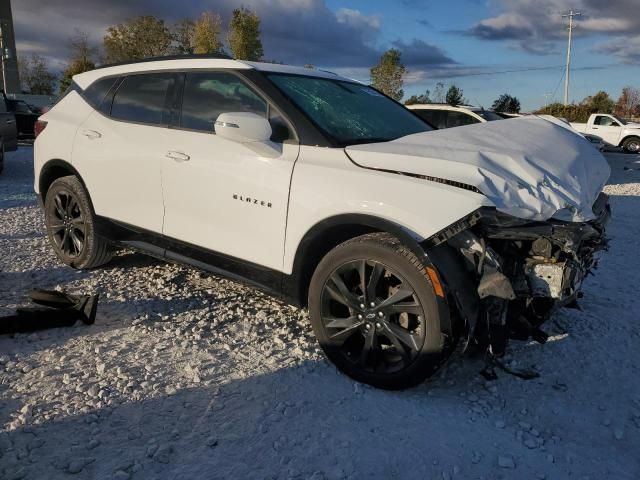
243, 127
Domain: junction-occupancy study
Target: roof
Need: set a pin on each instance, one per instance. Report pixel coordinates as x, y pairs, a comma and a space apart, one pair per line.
195, 62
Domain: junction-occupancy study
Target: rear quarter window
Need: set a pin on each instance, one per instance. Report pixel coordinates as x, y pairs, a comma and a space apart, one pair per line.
97, 91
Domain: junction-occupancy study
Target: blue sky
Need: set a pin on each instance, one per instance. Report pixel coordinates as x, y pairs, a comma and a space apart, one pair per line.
471, 43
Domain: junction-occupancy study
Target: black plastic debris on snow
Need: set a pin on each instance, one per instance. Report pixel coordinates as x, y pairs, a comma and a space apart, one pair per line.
54, 310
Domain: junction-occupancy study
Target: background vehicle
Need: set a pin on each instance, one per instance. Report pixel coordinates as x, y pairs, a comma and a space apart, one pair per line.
447, 116
8, 131
612, 130
399, 241
26, 117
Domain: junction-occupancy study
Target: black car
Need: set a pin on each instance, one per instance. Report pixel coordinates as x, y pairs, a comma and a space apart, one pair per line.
26, 117
8, 131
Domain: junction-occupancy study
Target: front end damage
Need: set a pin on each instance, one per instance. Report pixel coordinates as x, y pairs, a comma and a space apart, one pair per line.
507, 275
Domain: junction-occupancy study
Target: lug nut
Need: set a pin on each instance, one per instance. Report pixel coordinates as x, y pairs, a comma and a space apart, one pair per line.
380, 314
368, 326
359, 317
378, 325
362, 305
372, 304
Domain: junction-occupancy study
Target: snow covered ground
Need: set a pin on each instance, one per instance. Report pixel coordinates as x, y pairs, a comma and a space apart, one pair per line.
187, 376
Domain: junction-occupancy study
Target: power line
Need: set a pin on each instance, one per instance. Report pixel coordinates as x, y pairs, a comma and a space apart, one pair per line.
567, 74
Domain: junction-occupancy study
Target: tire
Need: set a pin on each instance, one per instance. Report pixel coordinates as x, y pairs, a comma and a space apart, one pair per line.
70, 223
631, 145
346, 323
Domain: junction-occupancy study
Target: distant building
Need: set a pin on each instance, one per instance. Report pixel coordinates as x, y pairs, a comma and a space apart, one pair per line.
11, 77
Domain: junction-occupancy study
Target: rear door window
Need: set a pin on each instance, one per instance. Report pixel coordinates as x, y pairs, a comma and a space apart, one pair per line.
437, 118
144, 98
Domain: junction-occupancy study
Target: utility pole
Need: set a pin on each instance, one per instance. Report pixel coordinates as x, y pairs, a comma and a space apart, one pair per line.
567, 73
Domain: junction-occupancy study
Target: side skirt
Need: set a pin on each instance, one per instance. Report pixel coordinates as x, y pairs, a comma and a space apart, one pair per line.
159, 246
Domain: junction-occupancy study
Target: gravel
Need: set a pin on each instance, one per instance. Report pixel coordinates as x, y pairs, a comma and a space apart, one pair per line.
186, 375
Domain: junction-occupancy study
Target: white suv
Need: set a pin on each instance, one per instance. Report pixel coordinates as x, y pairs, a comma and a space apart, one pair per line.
400, 240
447, 116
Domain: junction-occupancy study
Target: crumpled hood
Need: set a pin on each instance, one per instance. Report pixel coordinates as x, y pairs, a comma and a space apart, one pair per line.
529, 167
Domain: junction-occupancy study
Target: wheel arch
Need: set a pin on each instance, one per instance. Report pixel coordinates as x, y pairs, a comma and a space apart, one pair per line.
632, 135
54, 169
329, 233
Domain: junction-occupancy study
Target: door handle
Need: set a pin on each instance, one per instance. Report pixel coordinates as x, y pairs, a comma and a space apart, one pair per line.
177, 156
10, 121
594, 128
91, 134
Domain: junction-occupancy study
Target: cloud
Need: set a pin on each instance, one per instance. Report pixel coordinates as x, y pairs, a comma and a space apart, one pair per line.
420, 53
536, 26
626, 50
293, 31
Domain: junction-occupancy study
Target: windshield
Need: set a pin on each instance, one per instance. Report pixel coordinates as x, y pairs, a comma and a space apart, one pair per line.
349, 113
488, 115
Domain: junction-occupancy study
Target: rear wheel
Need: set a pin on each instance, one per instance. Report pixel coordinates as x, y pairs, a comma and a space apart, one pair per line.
374, 312
70, 223
632, 145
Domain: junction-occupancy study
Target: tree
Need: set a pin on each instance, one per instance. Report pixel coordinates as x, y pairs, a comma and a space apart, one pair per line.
438, 93
206, 34
419, 99
81, 59
182, 34
244, 35
35, 75
137, 38
628, 105
455, 96
388, 75
599, 103
507, 104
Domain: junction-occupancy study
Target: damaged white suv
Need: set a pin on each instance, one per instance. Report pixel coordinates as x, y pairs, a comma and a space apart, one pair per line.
401, 240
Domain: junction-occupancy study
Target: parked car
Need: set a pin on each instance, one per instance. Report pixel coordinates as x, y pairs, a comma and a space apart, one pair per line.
612, 130
8, 132
26, 117
400, 240
447, 116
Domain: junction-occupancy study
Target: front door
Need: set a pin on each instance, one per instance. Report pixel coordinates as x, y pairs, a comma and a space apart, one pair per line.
607, 129
221, 195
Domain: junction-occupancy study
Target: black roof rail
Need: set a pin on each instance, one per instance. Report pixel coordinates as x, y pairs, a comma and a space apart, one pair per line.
205, 56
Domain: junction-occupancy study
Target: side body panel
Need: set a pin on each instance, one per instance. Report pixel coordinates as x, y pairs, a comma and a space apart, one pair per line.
56, 141
120, 163
228, 196
326, 184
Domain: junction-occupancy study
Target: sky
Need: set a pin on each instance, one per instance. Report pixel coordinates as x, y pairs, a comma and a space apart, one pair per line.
485, 47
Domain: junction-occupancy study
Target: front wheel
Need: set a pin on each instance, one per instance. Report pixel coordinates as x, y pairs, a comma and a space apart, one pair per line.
70, 225
632, 145
374, 312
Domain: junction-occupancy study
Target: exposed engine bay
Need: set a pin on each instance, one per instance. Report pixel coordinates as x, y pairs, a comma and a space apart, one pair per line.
507, 276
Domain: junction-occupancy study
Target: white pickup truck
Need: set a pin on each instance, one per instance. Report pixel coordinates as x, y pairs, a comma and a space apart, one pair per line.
612, 130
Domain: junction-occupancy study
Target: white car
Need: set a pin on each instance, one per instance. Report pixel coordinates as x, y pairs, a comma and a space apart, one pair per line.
401, 241
612, 130
448, 116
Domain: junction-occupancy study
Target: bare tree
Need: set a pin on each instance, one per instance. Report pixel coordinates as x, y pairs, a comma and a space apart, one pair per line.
35, 75
82, 58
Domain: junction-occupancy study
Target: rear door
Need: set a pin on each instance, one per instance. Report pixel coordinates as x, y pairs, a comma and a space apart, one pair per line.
119, 150
8, 129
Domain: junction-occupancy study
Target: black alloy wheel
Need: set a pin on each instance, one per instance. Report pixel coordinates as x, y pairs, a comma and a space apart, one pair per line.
71, 225
68, 227
373, 316
374, 311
